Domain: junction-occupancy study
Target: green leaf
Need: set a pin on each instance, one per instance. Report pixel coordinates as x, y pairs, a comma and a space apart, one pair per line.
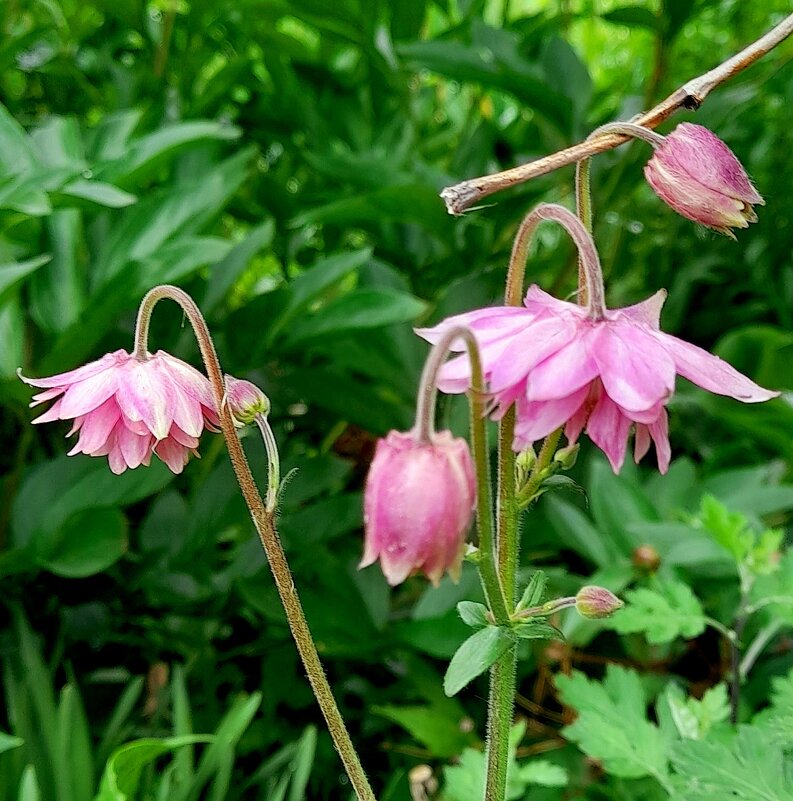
748, 769
633, 17
356, 311
543, 773
534, 592
89, 542
475, 656
122, 773
612, 724
575, 531
473, 614
13, 272
662, 615
436, 729
8, 741
729, 529
97, 193
17, 153
694, 718
537, 630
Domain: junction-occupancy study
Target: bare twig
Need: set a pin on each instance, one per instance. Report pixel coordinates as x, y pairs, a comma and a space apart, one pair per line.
690, 96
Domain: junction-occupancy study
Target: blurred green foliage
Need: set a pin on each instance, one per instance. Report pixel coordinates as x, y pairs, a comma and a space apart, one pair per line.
282, 161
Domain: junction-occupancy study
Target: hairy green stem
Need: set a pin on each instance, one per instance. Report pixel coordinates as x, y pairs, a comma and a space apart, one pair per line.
425, 428
264, 522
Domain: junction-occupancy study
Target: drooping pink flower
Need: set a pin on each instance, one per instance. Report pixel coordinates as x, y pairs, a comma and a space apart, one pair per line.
127, 408
418, 504
560, 366
694, 172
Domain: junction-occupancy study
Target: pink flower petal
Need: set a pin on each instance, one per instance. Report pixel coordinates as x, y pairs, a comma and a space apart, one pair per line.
134, 447
567, 370
608, 428
491, 323
172, 453
538, 419
52, 414
641, 442
636, 372
144, 396
648, 312
109, 360
87, 395
540, 339
659, 431
97, 425
712, 373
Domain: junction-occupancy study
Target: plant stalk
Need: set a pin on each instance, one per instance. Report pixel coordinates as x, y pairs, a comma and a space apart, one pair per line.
264, 523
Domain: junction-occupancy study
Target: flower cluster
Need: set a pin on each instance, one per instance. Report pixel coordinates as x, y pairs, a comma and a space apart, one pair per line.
561, 367
127, 408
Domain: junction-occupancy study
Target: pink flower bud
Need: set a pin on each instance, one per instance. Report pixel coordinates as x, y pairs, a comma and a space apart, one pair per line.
695, 173
245, 400
418, 505
596, 602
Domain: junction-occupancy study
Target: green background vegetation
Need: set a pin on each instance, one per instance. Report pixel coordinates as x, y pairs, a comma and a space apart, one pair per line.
281, 161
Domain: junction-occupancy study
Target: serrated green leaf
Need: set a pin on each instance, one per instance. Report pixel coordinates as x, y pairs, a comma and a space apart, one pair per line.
612, 724
749, 769
661, 614
475, 656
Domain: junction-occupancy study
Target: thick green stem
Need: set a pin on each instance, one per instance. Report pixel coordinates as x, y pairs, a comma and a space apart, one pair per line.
500, 710
264, 521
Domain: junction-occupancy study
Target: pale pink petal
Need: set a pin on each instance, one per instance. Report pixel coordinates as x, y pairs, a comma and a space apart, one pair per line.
116, 460
52, 414
172, 453
192, 381
490, 323
659, 431
538, 301
97, 425
182, 437
537, 420
539, 340
636, 371
144, 396
109, 360
608, 428
712, 373
648, 312
48, 394
87, 395
454, 376
641, 442
134, 447
564, 373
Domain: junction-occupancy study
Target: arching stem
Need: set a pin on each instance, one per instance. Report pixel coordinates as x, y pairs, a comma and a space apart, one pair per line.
263, 520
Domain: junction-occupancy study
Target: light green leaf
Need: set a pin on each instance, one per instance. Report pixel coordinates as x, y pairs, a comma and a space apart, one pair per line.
749, 769
663, 614
534, 592
612, 724
543, 773
694, 718
97, 193
123, 770
473, 614
8, 741
475, 656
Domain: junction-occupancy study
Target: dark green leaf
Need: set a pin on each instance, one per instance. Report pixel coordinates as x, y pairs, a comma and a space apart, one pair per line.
473, 614
475, 656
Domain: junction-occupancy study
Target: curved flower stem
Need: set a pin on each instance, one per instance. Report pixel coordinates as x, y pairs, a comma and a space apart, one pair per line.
264, 522
690, 96
596, 300
425, 416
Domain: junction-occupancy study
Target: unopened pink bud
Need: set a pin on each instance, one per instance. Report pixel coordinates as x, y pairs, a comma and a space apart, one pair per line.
418, 505
696, 174
596, 602
245, 400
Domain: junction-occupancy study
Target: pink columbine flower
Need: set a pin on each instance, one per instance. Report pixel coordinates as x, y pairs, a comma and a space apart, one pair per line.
127, 408
418, 505
604, 371
694, 172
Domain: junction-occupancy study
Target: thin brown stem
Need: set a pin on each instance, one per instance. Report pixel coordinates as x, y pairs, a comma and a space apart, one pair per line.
264, 521
690, 96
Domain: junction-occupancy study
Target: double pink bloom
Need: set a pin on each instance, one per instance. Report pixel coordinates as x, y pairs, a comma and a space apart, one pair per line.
126, 408
559, 366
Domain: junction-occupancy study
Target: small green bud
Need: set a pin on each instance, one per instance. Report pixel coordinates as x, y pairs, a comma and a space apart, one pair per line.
596, 602
525, 460
245, 400
567, 456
